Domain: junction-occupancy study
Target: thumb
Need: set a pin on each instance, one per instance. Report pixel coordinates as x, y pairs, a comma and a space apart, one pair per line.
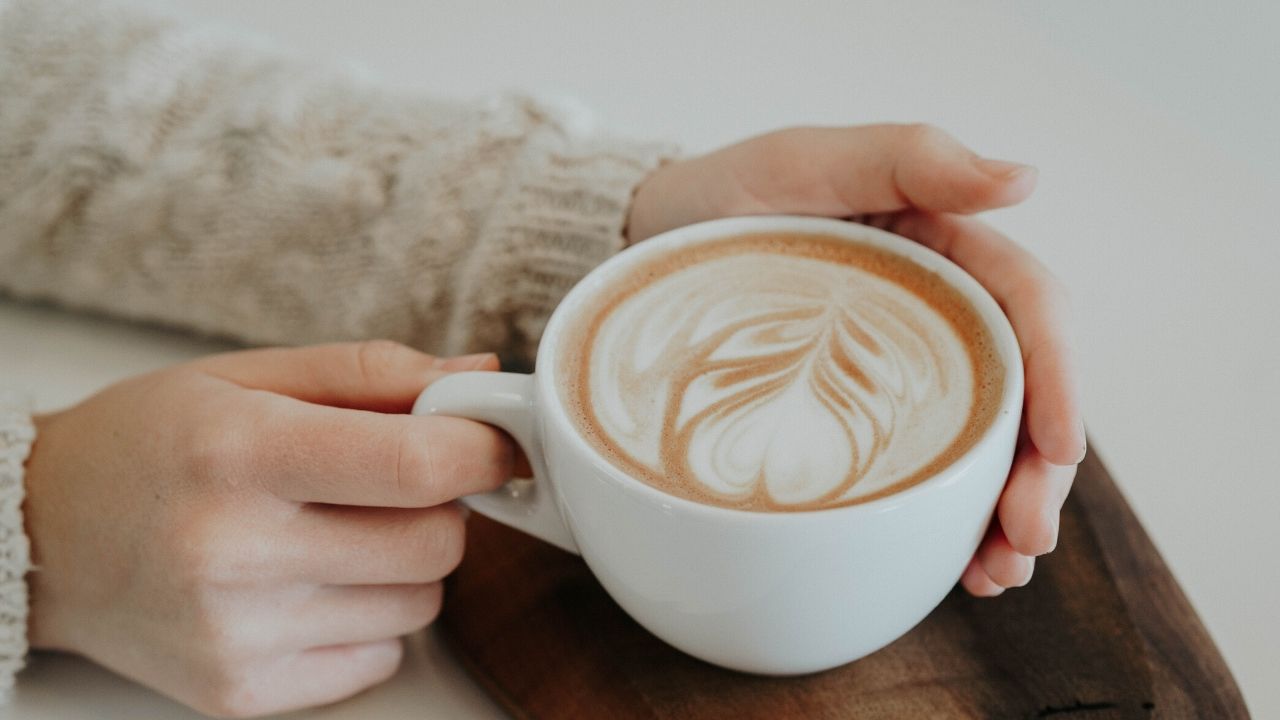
835, 172
845, 171
377, 375
886, 168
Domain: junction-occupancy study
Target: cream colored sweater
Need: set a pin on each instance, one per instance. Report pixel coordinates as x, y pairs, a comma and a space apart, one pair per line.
173, 175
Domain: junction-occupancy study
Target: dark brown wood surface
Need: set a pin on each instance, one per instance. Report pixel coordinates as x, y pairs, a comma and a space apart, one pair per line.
1102, 631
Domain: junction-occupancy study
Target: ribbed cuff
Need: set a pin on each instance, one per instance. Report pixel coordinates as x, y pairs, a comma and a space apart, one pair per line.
17, 433
562, 212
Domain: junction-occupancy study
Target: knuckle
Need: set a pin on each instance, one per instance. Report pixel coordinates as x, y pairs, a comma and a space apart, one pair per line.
225, 671
230, 697
416, 465
205, 552
494, 457
195, 550
216, 448
374, 359
923, 134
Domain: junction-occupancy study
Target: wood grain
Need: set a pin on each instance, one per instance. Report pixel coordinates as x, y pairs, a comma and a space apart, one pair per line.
1103, 631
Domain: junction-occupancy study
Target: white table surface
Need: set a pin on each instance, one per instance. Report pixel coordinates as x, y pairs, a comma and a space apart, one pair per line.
1160, 167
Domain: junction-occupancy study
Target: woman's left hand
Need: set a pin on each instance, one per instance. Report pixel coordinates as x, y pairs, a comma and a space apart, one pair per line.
919, 182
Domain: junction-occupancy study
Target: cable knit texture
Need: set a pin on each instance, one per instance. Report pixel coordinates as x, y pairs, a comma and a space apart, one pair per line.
16, 436
176, 175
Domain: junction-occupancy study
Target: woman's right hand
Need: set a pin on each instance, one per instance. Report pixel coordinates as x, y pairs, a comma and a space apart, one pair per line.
252, 532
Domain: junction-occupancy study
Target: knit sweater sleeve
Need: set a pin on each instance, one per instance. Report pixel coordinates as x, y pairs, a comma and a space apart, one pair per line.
16, 436
177, 175
173, 174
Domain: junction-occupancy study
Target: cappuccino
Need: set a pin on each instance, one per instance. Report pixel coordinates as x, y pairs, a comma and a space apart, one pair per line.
780, 372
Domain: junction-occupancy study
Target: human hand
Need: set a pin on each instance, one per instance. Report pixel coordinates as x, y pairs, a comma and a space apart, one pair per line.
917, 181
249, 533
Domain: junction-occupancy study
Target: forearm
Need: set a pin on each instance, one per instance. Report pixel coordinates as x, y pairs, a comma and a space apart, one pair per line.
166, 174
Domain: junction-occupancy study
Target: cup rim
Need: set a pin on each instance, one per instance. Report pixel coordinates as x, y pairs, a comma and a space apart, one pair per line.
1005, 341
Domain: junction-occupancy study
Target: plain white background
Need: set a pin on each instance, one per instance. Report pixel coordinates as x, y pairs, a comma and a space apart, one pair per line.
1155, 133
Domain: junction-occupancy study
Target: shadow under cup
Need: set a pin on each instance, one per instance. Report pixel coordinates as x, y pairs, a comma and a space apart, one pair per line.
762, 592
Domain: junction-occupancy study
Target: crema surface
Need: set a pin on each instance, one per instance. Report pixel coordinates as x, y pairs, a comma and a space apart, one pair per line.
781, 372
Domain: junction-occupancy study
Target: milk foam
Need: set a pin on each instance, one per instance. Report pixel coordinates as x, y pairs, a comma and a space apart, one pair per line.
776, 381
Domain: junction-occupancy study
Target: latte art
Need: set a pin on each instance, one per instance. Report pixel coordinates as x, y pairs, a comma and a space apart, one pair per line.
782, 373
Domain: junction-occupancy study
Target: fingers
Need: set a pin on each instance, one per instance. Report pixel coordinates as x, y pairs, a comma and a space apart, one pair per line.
345, 615
1037, 308
1005, 566
335, 545
1042, 473
377, 375
976, 581
312, 453
314, 677
870, 169
1031, 504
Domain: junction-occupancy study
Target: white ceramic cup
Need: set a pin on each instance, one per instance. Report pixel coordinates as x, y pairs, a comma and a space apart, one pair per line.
773, 593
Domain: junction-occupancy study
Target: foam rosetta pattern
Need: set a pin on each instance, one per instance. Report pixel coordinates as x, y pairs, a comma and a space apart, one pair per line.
776, 381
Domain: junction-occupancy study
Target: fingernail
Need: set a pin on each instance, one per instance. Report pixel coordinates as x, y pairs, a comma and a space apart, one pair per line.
1029, 565
1056, 522
1001, 169
466, 362
993, 591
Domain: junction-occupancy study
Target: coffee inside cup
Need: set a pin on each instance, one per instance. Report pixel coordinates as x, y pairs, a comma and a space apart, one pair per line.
780, 372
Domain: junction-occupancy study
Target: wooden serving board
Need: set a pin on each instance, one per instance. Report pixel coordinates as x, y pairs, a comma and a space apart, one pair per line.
1102, 631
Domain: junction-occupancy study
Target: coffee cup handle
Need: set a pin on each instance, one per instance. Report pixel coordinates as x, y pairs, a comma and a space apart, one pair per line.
505, 400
